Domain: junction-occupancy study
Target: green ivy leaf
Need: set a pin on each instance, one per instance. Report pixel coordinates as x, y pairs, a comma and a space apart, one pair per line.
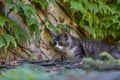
2, 43
90, 19
42, 3
66, 0
32, 29
2, 20
20, 35
16, 9
91, 30
96, 19
118, 1
29, 10
38, 38
88, 59
8, 38
78, 6
94, 35
2, 23
107, 55
32, 21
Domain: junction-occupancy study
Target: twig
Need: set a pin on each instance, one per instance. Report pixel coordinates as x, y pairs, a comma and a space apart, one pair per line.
5, 66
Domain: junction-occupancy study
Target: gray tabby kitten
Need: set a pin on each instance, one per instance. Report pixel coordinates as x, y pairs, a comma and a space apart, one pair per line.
74, 48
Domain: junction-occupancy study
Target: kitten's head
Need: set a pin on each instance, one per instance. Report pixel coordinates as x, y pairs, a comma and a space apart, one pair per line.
61, 41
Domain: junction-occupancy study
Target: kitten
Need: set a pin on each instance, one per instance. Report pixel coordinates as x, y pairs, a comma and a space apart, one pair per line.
74, 48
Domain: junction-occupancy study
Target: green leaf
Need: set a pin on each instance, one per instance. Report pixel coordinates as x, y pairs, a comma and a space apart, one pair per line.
38, 38
32, 29
8, 38
66, 0
29, 10
3, 20
10, 4
88, 29
113, 35
118, 1
2, 43
96, 19
2, 23
90, 19
107, 55
21, 35
94, 35
16, 9
88, 59
18, 34
50, 27
42, 3
78, 6
95, 8
32, 21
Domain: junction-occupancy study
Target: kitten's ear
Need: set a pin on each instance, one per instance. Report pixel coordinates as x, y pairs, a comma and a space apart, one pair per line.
53, 33
65, 35
65, 31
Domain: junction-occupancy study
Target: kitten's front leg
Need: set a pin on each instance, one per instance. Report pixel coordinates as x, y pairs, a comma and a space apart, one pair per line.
77, 61
81, 56
63, 56
78, 53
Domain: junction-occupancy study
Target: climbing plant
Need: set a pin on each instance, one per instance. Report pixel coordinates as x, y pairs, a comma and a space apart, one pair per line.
28, 12
101, 18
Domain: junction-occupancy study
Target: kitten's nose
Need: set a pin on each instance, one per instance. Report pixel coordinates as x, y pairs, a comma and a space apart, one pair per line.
56, 48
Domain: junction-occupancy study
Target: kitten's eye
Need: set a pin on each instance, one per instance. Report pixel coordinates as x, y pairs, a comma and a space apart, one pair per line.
60, 44
55, 43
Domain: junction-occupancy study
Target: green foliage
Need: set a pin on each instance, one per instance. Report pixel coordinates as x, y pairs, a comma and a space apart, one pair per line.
62, 27
26, 72
3, 21
20, 35
28, 12
6, 39
59, 28
101, 18
44, 3
107, 55
2, 42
